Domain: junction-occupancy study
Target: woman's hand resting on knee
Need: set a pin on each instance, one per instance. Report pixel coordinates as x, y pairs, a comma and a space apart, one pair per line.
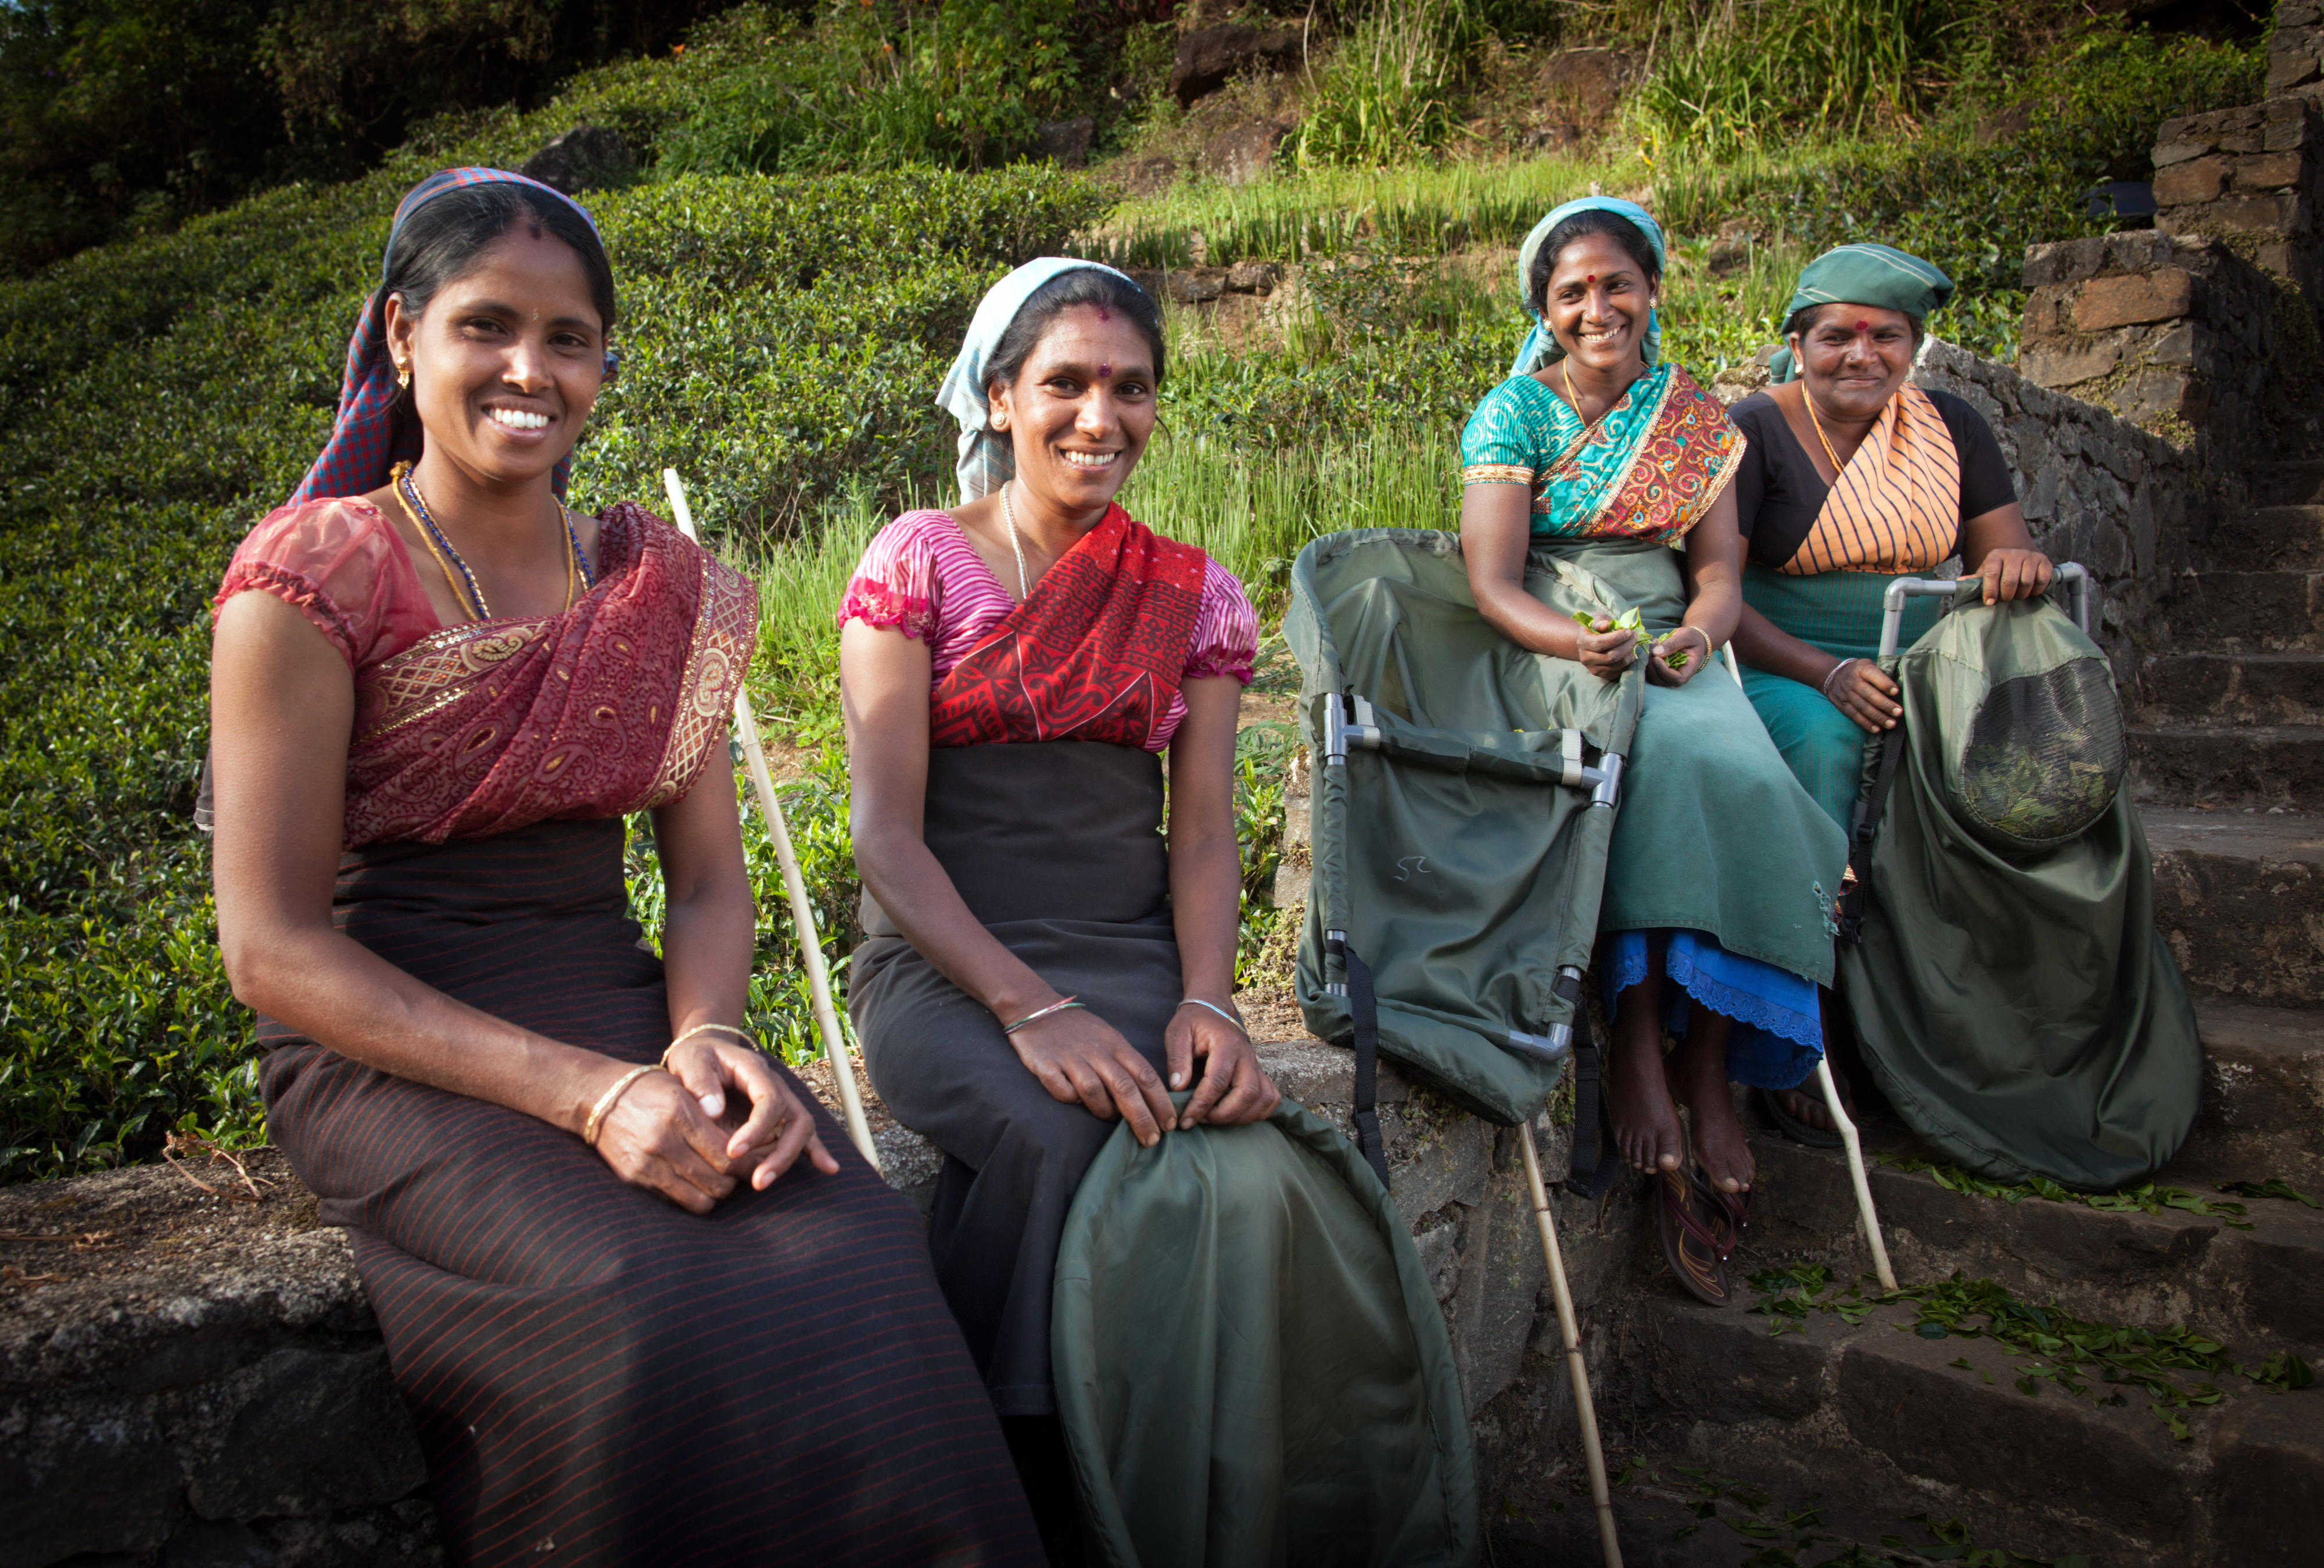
1235, 1089
1082, 1059
721, 1116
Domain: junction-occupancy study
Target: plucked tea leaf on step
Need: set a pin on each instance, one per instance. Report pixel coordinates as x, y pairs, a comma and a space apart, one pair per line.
2273, 1187
1960, 1361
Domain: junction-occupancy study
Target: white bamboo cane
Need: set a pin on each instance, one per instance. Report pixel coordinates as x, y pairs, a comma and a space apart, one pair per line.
1593, 1454
818, 977
1864, 1213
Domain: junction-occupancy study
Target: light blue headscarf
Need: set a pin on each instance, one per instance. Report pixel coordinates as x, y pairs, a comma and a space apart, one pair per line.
987, 459
1541, 345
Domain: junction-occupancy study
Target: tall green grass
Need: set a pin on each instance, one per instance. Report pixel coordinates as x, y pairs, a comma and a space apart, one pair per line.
1412, 211
1384, 94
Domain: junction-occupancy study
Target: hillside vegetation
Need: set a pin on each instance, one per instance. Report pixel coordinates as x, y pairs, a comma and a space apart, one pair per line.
815, 219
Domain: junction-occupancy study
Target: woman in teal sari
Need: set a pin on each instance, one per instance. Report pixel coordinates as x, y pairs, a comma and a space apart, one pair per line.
1596, 463
1853, 479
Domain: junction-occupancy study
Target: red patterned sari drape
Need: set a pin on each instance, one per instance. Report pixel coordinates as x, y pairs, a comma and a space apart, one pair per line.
1095, 653
612, 706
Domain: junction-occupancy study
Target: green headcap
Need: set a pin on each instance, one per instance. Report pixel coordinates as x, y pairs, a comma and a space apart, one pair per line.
1864, 274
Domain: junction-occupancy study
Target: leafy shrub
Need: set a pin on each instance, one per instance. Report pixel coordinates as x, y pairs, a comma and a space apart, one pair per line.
963, 84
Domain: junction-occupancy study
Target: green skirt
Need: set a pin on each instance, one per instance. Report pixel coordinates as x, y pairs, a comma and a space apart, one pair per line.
1837, 613
1713, 834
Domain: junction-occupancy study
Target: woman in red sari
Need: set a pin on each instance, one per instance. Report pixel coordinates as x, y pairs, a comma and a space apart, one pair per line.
644, 1304
1013, 670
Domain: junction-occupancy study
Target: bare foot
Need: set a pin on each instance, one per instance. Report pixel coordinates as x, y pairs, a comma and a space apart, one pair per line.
1637, 1092
1810, 1109
1699, 1075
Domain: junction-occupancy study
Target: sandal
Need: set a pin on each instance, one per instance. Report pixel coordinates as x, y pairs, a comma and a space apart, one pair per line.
1792, 1127
1698, 1228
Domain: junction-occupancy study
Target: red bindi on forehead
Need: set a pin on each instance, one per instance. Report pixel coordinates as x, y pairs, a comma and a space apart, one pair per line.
1863, 325
1103, 314
1103, 371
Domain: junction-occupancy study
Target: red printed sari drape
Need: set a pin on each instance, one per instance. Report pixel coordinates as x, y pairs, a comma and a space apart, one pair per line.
611, 707
1095, 653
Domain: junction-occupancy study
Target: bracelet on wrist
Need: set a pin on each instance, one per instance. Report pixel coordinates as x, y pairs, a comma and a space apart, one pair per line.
1240, 1026
743, 1035
1830, 674
606, 1102
1035, 1016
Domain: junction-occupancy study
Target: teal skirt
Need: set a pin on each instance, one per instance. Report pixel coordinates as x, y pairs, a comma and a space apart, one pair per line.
1837, 613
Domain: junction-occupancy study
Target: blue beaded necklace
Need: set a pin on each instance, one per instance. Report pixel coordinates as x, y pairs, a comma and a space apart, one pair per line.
464, 582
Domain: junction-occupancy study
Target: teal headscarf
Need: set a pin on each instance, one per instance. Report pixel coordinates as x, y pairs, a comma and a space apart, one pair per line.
1864, 274
987, 459
1541, 345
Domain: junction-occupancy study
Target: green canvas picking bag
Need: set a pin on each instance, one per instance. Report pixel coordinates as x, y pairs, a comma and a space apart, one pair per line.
1252, 1365
2013, 996
1458, 853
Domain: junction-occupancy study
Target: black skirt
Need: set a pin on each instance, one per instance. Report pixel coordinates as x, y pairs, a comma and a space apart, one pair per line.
597, 1376
1056, 848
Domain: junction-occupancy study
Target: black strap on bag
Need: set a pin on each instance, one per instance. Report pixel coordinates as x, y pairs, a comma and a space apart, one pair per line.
1862, 833
1595, 1161
1363, 1007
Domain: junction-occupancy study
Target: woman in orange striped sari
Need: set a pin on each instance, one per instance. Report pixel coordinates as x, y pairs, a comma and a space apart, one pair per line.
1853, 478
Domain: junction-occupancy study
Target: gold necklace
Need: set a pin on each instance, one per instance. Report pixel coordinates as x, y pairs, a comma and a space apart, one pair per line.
1572, 397
1838, 467
466, 589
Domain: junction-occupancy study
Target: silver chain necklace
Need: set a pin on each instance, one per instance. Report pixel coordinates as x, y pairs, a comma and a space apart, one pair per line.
1024, 583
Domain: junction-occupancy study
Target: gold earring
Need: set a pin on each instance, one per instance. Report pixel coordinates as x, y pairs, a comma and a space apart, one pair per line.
404, 378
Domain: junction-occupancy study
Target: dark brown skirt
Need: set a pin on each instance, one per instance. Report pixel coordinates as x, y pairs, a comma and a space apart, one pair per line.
597, 1376
1056, 849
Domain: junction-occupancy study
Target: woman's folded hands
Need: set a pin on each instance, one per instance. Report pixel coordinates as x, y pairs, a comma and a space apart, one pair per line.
719, 1117
1082, 1059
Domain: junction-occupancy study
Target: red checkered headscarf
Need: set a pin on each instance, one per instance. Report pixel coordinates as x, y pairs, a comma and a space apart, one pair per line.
364, 445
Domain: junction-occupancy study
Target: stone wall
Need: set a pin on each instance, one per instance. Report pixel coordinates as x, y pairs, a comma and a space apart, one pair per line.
2247, 173
2096, 489
188, 1379
209, 1387
2295, 51
2177, 335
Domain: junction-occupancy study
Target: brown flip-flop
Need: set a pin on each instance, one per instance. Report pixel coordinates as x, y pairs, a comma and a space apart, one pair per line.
1699, 1227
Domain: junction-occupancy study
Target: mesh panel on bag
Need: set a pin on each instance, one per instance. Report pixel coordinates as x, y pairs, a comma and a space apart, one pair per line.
2043, 757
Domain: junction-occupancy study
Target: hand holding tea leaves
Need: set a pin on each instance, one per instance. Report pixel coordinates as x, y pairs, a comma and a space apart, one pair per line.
1606, 644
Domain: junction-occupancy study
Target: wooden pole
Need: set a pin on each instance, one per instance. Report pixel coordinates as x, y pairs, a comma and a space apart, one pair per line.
1593, 1452
818, 977
1864, 1213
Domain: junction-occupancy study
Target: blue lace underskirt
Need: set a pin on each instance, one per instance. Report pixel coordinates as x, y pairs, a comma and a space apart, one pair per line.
1778, 1034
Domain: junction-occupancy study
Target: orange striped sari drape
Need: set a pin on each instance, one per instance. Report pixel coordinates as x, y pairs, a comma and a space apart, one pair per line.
1897, 505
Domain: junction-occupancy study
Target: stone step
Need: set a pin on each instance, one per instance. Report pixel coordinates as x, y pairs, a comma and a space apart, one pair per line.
2267, 539
1878, 1422
2233, 688
2263, 612
2234, 766
2240, 897
2299, 484
2262, 1098
2259, 1290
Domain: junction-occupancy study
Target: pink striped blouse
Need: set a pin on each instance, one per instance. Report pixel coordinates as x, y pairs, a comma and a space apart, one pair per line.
920, 574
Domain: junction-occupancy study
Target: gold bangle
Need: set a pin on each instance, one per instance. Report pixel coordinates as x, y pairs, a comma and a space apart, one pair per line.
605, 1101
747, 1039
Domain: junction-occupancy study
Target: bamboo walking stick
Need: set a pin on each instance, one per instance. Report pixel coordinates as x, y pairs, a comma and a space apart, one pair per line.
818, 979
1864, 1213
1593, 1454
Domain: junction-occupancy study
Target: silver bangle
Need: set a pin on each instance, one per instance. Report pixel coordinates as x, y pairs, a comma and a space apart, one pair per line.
1241, 1027
1825, 689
